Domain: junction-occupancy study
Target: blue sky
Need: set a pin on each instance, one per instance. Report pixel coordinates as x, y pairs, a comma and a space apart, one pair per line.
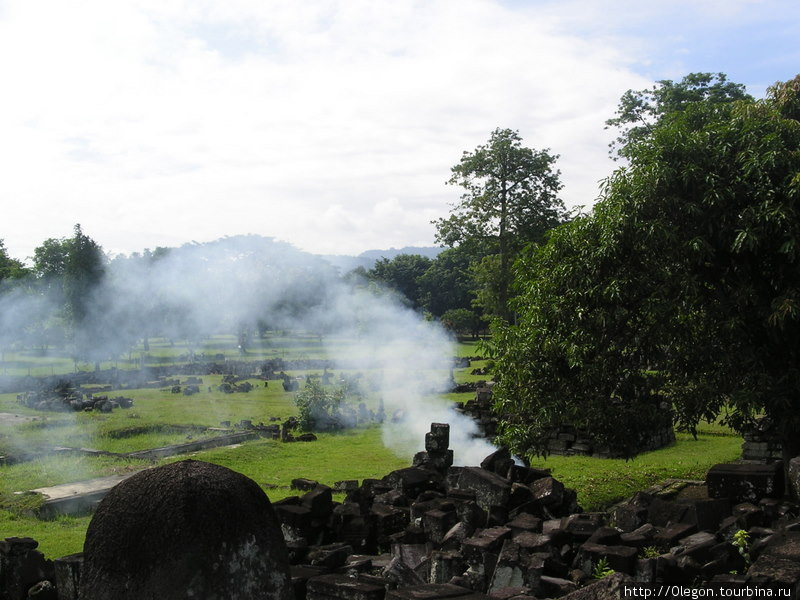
330, 124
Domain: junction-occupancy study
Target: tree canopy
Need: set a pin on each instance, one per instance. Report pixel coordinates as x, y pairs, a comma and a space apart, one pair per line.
681, 289
10, 268
510, 199
639, 111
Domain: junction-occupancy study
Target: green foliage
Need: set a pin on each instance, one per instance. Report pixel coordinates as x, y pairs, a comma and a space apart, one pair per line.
680, 289
639, 111
461, 320
510, 199
447, 283
10, 268
601, 570
319, 409
402, 274
741, 539
651, 552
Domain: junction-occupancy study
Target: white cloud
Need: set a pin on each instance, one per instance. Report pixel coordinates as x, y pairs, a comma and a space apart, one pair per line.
330, 124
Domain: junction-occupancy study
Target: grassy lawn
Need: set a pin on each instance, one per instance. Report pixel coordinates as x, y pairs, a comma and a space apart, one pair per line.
354, 454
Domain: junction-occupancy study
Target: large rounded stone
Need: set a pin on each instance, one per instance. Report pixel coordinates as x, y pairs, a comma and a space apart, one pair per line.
185, 530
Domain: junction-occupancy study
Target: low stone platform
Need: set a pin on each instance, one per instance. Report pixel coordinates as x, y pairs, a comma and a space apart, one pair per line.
82, 496
77, 497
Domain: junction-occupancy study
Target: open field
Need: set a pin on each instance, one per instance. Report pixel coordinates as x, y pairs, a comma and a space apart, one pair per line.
352, 454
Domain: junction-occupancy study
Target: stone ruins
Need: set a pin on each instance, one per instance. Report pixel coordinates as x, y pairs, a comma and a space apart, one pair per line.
566, 440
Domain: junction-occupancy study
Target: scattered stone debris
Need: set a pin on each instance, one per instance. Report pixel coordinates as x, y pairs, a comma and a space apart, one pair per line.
499, 530
66, 397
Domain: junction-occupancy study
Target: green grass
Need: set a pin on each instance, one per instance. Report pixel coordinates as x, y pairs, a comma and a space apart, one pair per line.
601, 482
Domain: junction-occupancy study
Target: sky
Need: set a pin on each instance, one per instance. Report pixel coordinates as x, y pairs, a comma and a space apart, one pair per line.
328, 124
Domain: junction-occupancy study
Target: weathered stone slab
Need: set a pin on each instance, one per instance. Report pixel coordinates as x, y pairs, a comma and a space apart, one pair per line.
525, 522
432, 591
745, 482
490, 489
608, 588
412, 481
342, 587
780, 562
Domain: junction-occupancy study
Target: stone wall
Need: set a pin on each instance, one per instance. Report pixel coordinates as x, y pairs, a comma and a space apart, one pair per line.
566, 440
760, 443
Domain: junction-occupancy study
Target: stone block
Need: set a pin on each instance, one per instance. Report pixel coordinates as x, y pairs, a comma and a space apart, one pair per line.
526, 475
489, 540
745, 482
609, 536
531, 543
437, 523
304, 485
499, 462
707, 514
582, 526
446, 565
525, 522
388, 519
520, 494
556, 446
490, 489
456, 536
749, 515
68, 575
554, 586
330, 556
429, 501
412, 481
662, 512
319, 501
620, 558
510, 568
668, 537
548, 491
438, 438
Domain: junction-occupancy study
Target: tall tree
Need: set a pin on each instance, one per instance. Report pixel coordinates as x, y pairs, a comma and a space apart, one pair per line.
84, 267
510, 199
682, 286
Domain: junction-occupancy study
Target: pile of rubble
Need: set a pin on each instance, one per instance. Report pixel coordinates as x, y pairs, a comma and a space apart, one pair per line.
511, 532
66, 397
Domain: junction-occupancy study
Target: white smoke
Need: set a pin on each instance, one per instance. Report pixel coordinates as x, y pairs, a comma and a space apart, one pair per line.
249, 282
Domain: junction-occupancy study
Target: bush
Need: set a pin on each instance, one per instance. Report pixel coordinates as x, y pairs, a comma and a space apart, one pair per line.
320, 409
